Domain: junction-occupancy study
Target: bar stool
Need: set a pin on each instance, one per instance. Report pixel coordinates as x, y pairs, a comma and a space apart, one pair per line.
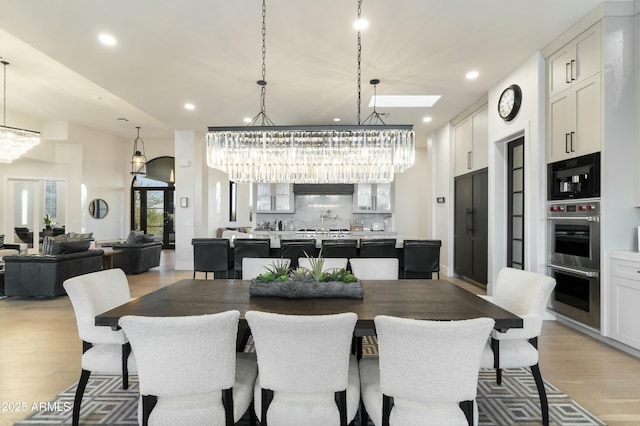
211, 255
340, 248
382, 247
248, 247
421, 258
293, 249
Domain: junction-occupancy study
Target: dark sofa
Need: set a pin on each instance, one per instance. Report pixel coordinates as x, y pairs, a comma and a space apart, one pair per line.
43, 275
137, 257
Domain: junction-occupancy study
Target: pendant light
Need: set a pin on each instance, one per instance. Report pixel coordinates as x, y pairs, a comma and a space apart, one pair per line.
138, 160
13, 142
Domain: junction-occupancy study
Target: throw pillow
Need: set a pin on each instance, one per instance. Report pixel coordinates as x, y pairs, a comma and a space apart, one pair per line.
74, 236
145, 238
71, 246
47, 245
132, 238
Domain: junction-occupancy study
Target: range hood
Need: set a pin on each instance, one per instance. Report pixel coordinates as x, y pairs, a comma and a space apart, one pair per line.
323, 188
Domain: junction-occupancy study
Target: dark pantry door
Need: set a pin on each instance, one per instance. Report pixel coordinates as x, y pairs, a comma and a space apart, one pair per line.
471, 225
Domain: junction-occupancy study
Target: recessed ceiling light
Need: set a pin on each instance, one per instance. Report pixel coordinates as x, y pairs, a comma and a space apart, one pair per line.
247, 120
404, 101
107, 39
361, 24
336, 119
427, 119
472, 75
189, 106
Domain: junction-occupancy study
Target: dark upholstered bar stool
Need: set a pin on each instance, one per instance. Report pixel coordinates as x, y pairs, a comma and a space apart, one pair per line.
211, 255
248, 247
383, 247
340, 248
421, 258
293, 249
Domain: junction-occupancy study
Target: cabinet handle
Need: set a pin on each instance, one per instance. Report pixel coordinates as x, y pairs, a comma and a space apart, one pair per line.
469, 221
572, 135
469, 159
567, 72
566, 143
574, 70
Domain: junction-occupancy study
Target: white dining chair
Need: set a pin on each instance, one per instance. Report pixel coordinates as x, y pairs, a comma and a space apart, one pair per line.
426, 372
104, 350
189, 370
254, 266
525, 294
306, 373
329, 263
375, 268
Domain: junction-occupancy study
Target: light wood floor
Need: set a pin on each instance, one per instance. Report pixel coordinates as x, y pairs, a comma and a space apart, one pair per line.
40, 355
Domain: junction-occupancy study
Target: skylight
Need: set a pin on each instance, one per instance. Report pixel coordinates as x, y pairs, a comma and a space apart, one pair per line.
404, 101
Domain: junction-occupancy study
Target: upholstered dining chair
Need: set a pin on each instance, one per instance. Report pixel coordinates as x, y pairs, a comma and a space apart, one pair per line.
104, 350
293, 249
306, 374
525, 294
426, 372
375, 268
329, 263
189, 371
378, 247
254, 266
340, 248
212, 255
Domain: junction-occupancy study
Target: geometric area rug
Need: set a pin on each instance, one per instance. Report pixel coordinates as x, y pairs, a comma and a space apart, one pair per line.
515, 402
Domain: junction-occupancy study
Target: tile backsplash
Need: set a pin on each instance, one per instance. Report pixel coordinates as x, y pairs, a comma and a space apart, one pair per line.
337, 210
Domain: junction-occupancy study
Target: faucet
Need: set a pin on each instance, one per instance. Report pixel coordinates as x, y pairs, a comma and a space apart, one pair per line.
326, 214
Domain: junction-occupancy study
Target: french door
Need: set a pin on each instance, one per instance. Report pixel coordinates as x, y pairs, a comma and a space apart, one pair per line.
154, 213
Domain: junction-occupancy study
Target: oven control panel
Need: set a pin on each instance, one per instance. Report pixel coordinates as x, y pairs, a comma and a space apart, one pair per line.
587, 208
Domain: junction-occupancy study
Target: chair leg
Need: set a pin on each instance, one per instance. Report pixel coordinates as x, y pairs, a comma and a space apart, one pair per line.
495, 348
364, 416
267, 397
252, 414
387, 405
227, 403
194, 275
148, 402
467, 409
126, 351
341, 402
544, 404
77, 402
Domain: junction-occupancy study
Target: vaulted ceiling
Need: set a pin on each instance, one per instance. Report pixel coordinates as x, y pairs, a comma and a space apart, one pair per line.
208, 52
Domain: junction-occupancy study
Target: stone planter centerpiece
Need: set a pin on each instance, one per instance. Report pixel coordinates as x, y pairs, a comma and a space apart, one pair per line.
280, 281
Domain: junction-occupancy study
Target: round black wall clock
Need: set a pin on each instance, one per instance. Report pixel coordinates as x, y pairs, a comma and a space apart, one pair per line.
509, 102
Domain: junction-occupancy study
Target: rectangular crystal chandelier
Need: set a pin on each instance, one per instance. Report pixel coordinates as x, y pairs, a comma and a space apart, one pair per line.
15, 142
311, 154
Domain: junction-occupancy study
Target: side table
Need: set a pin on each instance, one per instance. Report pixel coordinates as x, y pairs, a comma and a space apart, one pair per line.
107, 258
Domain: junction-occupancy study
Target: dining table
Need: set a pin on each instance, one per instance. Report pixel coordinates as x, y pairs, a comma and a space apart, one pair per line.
420, 299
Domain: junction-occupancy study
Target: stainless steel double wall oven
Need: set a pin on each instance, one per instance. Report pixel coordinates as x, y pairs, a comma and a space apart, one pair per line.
573, 241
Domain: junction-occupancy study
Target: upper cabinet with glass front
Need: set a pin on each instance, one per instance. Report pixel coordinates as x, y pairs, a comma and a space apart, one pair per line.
274, 197
373, 198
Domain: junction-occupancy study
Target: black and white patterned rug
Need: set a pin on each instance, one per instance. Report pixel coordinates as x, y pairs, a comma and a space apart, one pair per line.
515, 402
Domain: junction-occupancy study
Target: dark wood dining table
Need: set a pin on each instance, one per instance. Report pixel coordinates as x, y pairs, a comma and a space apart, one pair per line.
416, 299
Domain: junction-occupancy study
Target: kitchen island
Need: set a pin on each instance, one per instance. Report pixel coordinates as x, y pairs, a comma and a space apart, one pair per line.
277, 236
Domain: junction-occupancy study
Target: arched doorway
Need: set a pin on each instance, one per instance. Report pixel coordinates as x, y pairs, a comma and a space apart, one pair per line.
153, 201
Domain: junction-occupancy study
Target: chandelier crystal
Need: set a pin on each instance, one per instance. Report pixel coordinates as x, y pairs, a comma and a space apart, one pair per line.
311, 154
14, 142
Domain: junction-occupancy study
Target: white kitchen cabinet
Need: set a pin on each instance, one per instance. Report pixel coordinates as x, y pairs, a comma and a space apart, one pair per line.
274, 198
373, 198
471, 138
625, 300
576, 61
575, 121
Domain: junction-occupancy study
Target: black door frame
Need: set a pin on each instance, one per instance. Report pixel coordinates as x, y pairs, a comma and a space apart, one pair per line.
168, 212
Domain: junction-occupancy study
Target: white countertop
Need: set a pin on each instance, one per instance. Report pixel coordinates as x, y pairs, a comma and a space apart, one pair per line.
276, 236
630, 255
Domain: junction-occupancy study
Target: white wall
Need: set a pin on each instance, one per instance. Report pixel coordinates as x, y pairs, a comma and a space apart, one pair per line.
412, 213
443, 187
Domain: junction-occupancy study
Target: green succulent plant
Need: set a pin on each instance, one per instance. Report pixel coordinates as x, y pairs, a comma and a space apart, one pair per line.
316, 266
278, 271
299, 274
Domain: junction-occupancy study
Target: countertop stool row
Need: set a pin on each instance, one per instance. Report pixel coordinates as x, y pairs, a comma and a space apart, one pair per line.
416, 259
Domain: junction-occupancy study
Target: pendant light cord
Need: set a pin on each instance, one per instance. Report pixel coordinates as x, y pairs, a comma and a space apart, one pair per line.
4, 95
265, 120
359, 61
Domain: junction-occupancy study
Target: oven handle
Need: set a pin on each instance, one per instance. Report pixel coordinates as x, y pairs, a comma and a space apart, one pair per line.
583, 218
583, 273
